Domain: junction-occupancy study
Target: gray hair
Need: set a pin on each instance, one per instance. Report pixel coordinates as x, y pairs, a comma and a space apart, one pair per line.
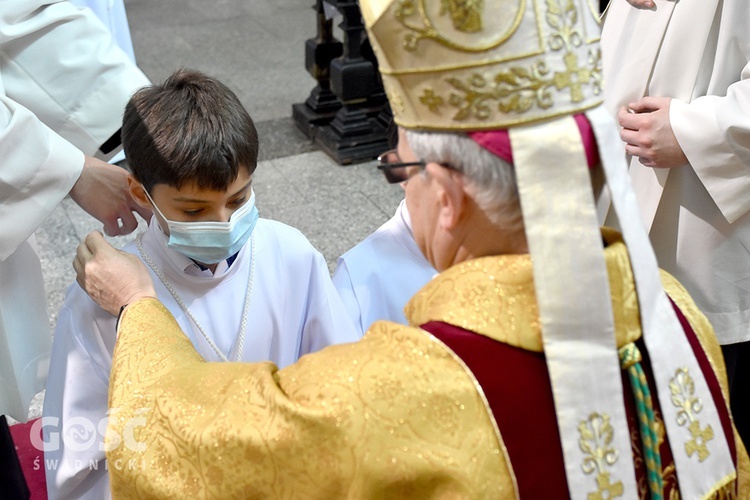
491, 180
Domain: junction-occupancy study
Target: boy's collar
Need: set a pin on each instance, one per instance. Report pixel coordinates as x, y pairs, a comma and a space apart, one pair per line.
229, 261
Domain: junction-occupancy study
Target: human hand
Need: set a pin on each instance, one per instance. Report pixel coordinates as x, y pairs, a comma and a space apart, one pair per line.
102, 191
648, 134
111, 277
642, 4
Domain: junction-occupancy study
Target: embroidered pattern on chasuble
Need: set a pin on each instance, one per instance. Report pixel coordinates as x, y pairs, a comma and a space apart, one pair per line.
494, 297
394, 415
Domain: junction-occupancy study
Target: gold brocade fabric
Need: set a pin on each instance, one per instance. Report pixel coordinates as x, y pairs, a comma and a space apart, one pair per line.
395, 415
495, 296
392, 416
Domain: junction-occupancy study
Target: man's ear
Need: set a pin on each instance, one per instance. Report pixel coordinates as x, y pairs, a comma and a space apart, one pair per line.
451, 197
138, 193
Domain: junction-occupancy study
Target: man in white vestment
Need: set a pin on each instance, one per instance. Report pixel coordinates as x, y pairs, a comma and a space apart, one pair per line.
262, 294
63, 84
677, 78
112, 14
378, 276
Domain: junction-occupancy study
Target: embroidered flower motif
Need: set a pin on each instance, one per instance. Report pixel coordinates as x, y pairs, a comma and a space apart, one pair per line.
431, 100
682, 388
596, 440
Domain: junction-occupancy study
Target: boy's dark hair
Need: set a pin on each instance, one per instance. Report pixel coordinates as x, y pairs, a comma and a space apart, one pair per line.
190, 129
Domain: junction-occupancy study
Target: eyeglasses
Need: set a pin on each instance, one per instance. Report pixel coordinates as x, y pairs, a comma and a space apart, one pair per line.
394, 170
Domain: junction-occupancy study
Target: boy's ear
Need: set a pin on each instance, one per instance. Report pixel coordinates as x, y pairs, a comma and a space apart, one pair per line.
138, 193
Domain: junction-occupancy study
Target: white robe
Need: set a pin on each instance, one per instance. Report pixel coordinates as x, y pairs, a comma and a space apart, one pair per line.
378, 276
112, 14
294, 310
697, 52
53, 60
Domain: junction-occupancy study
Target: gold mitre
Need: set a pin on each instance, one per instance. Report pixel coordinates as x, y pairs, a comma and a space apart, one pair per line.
485, 64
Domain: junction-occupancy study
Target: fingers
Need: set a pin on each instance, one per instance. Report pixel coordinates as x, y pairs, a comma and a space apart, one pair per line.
634, 133
640, 106
627, 119
636, 138
93, 241
649, 104
634, 150
111, 278
642, 4
126, 223
85, 254
643, 155
111, 228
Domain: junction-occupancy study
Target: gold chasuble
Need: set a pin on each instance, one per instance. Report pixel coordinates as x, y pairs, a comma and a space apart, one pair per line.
395, 415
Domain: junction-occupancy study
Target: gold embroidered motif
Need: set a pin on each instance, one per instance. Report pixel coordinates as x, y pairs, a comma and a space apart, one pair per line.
394, 97
465, 14
518, 89
683, 390
431, 100
466, 17
596, 439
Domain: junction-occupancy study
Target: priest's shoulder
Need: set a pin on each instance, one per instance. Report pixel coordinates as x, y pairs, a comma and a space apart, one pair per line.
388, 352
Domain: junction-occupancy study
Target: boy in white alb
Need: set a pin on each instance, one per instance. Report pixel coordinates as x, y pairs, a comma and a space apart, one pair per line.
241, 288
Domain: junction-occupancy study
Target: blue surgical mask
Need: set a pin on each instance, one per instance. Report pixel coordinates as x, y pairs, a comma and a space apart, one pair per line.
212, 242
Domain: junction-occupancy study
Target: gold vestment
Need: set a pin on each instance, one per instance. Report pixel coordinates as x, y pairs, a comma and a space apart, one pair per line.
395, 415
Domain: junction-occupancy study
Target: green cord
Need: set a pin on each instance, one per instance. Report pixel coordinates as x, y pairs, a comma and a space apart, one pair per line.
630, 359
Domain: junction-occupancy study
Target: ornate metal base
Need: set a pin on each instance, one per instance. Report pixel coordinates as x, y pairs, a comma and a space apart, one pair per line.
319, 109
346, 150
343, 114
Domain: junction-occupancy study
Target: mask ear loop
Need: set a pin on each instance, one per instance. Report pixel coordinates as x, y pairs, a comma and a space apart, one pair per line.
158, 212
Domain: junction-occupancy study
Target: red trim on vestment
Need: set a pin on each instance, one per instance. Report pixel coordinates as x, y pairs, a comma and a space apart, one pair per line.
517, 387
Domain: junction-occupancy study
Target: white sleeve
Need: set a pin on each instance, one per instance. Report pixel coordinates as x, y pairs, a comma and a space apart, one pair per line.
63, 64
714, 134
327, 321
342, 282
75, 403
37, 170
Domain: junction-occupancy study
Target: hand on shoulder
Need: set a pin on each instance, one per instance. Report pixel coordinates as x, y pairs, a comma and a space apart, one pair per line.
111, 277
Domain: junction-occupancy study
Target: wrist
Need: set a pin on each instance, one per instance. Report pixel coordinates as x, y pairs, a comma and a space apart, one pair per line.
132, 300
